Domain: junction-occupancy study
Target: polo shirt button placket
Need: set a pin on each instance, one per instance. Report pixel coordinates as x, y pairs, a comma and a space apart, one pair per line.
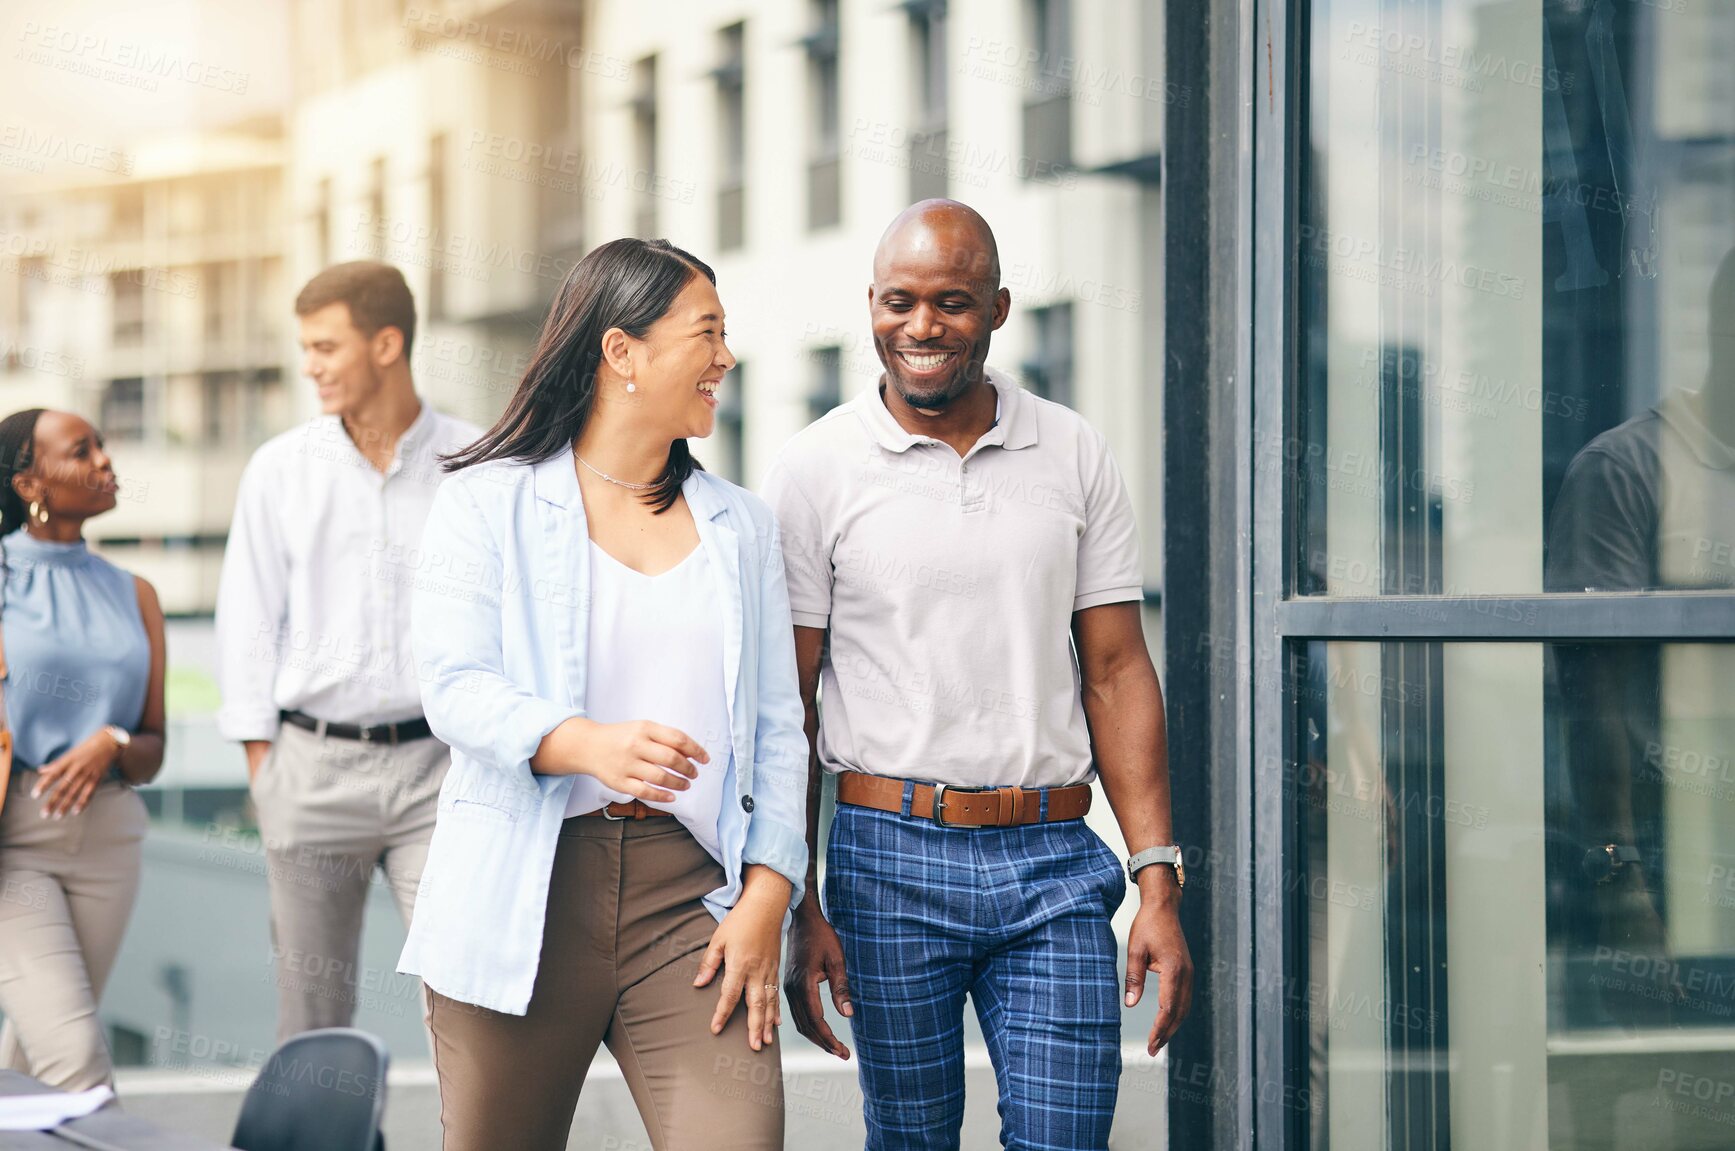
968, 500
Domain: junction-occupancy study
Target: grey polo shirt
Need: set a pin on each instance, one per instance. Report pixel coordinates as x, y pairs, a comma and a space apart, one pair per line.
949, 585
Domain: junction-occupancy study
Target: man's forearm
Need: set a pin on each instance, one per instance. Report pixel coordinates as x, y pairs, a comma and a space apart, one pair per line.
815, 781
1130, 740
809, 654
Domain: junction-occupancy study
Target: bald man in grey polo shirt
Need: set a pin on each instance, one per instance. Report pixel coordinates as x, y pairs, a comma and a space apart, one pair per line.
949, 538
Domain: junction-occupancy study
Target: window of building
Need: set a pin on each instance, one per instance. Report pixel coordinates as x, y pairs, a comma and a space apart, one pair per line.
123, 409
644, 114
436, 304
376, 191
1048, 371
221, 303
824, 165
222, 400
1497, 593
128, 219
727, 446
731, 78
322, 236
1048, 89
928, 64
826, 391
126, 293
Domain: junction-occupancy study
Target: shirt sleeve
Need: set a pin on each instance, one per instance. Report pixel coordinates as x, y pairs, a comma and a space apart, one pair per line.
252, 605
457, 633
1108, 549
777, 829
806, 555
1603, 529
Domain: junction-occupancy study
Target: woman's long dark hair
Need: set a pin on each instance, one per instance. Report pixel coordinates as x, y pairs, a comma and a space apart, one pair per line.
628, 284
17, 452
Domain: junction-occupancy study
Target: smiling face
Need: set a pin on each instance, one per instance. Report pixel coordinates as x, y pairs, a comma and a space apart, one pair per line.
677, 369
70, 473
935, 303
347, 366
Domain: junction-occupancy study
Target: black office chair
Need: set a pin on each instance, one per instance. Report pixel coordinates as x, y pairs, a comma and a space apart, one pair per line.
320, 1091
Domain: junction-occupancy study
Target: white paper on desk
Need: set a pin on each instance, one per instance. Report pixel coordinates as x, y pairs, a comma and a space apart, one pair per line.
45, 1112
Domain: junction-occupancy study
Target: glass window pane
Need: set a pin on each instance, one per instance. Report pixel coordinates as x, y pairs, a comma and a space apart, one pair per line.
1517, 297
1517, 894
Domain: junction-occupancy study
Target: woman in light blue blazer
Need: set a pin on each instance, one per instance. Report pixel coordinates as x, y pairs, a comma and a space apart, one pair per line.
603, 637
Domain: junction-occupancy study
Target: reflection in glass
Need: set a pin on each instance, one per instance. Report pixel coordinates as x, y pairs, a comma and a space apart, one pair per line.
1651, 503
1511, 214
1518, 895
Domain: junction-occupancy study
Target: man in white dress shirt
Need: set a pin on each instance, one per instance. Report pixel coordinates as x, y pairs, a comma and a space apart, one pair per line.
318, 679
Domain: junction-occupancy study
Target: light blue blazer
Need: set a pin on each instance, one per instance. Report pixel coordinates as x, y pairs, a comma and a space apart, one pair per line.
499, 627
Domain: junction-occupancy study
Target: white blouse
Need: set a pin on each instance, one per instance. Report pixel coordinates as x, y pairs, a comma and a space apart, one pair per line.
656, 653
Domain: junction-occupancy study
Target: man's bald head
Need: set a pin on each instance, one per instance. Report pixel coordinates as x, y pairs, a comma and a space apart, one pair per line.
953, 230
935, 302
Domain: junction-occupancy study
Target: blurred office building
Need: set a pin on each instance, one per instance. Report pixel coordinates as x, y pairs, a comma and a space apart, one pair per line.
778, 139
147, 295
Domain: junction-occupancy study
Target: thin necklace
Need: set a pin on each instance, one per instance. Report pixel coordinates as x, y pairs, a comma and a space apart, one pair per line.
622, 483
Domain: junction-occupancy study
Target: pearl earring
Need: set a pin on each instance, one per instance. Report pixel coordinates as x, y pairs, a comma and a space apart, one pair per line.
38, 512
632, 387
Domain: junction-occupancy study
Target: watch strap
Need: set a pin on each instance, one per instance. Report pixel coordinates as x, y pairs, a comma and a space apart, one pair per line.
1170, 854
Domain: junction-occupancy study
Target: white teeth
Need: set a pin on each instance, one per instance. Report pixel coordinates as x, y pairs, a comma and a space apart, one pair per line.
925, 363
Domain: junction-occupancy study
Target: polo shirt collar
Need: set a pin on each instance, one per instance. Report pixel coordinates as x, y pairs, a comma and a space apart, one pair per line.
1014, 428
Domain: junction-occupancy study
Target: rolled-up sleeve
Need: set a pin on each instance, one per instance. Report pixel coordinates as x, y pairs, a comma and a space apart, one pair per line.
252, 604
456, 628
777, 828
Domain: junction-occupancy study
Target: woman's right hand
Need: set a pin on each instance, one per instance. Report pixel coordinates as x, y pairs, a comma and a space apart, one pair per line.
643, 759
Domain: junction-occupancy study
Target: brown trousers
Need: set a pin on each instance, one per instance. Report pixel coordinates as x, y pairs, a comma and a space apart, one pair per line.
623, 938
67, 888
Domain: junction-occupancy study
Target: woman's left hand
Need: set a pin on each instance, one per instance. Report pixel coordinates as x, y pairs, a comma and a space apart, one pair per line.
746, 946
71, 780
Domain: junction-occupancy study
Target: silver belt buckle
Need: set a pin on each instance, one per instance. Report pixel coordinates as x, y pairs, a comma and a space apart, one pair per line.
606, 814
940, 790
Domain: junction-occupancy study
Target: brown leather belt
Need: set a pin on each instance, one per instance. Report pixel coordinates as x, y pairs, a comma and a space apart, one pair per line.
964, 806
632, 809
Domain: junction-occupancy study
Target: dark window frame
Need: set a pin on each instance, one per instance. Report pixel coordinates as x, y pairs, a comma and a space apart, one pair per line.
643, 109
930, 37
730, 76
825, 117
1255, 944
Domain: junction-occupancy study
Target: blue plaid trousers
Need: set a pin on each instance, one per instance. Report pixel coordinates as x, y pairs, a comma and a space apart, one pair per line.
1015, 917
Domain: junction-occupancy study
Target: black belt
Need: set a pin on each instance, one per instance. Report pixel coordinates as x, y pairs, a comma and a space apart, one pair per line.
392, 733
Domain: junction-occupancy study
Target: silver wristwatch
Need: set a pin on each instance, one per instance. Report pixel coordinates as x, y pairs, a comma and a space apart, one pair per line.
122, 740
1170, 855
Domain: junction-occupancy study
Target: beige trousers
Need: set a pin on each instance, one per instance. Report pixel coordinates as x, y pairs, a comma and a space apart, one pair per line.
331, 812
624, 934
67, 888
